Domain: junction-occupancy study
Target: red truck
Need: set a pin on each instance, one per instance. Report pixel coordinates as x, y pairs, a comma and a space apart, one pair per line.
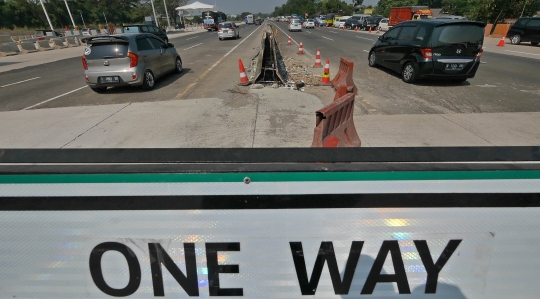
407, 13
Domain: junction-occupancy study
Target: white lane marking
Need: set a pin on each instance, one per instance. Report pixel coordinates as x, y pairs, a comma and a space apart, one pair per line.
288, 35
178, 96
522, 52
192, 37
193, 46
38, 104
365, 51
483, 62
327, 38
366, 38
20, 82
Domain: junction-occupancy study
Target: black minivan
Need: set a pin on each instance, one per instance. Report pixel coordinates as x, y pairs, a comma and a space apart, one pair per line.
436, 49
525, 30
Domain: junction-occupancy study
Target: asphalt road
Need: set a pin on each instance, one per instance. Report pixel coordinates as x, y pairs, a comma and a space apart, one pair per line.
503, 83
210, 69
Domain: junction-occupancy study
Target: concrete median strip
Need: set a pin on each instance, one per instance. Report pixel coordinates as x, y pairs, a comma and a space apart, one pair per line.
44, 45
7, 50
28, 47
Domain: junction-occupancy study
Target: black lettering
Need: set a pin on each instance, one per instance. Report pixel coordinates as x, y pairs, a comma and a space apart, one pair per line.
214, 269
159, 256
375, 276
433, 270
326, 254
133, 265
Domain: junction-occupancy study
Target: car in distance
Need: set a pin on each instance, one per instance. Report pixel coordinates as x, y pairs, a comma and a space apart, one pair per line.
352, 23
128, 60
371, 22
43, 32
295, 25
438, 49
525, 30
228, 30
309, 23
383, 24
141, 28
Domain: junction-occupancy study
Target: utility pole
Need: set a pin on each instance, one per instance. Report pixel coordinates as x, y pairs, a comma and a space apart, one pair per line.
82, 20
154, 10
524, 4
105, 17
70, 16
47, 15
167, 13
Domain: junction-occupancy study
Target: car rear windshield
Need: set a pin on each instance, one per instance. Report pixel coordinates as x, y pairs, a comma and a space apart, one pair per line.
296, 21
132, 29
107, 50
225, 25
458, 34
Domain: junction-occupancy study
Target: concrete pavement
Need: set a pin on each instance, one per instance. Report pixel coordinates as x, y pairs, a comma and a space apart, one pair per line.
271, 119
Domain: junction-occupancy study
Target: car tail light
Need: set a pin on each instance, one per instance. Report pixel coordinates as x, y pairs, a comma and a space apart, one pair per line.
133, 59
220, 29
479, 55
426, 52
84, 63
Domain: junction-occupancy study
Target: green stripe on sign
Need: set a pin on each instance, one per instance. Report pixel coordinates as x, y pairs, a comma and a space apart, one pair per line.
267, 177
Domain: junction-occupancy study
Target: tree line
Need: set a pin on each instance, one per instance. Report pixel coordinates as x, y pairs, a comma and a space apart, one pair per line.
29, 13
489, 11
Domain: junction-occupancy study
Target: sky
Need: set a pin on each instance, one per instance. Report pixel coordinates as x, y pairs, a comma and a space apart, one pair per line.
254, 6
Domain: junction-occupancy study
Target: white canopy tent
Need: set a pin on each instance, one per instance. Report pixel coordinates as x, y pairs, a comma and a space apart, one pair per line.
194, 7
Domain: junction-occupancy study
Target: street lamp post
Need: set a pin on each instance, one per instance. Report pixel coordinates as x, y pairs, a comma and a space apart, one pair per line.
47, 15
167, 13
82, 19
154, 10
70, 16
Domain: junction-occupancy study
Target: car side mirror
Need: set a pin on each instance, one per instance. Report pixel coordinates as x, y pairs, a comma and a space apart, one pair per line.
381, 38
170, 45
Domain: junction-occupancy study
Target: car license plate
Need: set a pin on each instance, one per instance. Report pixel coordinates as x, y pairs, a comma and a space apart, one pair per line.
454, 66
225, 31
110, 79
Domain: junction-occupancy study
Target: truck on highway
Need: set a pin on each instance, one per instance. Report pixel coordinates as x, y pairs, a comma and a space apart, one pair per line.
407, 13
250, 20
212, 18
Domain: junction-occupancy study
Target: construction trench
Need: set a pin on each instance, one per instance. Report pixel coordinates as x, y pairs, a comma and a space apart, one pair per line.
269, 68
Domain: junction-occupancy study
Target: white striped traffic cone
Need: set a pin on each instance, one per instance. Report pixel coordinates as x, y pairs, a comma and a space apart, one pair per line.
318, 58
301, 49
289, 42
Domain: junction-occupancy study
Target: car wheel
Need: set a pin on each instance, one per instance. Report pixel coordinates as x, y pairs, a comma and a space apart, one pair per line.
372, 59
515, 39
534, 43
408, 74
178, 66
99, 89
148, 80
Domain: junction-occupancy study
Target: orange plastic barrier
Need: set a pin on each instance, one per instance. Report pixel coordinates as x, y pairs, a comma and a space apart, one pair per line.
335, 124
344, 77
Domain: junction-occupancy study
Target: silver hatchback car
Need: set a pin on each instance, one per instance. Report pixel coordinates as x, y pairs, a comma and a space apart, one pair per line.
228, 30
128, 59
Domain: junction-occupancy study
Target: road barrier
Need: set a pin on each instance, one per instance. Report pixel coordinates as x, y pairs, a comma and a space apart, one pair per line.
59, 43
370, 29
28, 47
344, 77
336, 121
6, 49
44, 45
5, 39
72, 41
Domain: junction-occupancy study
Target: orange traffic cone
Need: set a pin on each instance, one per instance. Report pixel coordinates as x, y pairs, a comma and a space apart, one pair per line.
318, 58
326, 74
378, 29
243, 77
501, 42
369, 29
343, 28
301, 49
356, 28
289, 42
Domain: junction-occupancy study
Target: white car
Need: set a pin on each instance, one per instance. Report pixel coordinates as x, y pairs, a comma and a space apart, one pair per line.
228, 30
309, 23
295, 25
341, 23
383, 25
